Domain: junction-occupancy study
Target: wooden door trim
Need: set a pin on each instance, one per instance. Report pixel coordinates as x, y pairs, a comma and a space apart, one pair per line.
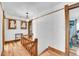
67, 26
3, 33
67, 31
3, 30
73, 6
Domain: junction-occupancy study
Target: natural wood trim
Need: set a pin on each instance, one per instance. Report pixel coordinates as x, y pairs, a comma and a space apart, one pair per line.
76, 5
3, 30
36, 43
67, 29
67, 26
10, 41
3, 33
43, 51
56, 51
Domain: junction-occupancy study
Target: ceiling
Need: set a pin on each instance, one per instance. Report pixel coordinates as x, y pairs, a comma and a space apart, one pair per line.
19, 9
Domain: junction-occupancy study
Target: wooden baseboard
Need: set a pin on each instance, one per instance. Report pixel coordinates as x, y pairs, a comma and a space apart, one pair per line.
57, 51
12, 41
43, 51
2, 53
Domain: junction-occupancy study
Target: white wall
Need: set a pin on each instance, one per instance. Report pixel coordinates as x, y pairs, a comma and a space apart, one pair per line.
10, 33
50, 29
1, 17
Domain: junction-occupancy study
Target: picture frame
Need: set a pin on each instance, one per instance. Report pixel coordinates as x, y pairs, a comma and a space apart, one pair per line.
23, 25
11, 24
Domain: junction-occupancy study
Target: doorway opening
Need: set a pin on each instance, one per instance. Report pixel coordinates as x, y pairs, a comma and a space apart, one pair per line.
72, 29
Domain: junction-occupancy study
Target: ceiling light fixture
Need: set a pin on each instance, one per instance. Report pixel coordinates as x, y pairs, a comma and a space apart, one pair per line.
28, 19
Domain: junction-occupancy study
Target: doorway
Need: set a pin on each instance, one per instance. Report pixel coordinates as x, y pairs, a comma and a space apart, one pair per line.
72, 29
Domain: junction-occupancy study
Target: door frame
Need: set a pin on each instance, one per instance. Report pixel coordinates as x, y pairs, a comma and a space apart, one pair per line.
67, 8
3, 32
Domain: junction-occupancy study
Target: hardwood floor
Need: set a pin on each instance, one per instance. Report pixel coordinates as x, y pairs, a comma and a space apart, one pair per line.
73, 51
47, 53
50, 53
15, 49
0, 53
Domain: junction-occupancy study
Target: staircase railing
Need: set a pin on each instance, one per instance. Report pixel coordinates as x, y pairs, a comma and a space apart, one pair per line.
30, 45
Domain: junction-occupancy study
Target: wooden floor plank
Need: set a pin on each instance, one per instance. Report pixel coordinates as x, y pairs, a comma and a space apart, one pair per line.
49, 53
15, 49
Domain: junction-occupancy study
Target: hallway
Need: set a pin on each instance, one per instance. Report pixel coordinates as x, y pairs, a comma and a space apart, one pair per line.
42, 28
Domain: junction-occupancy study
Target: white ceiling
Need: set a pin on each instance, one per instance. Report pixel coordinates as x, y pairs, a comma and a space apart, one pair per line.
19, 9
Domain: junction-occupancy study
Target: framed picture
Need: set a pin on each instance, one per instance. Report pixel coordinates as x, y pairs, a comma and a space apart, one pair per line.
23, 25
11, 24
